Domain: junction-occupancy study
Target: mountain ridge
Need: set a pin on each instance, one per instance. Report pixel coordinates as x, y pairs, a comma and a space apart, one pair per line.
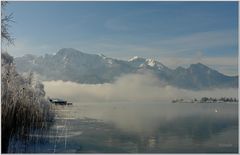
69, 64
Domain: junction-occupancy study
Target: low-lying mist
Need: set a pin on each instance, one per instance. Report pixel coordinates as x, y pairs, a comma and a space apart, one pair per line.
132, 87
147, 116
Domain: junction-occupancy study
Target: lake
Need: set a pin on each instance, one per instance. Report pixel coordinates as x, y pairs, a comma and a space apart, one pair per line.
139, 128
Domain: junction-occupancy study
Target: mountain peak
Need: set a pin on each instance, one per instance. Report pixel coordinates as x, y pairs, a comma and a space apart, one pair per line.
198, 65
154, 63
73, 65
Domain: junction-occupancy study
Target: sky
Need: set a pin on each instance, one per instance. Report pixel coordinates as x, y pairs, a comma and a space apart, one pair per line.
174, 33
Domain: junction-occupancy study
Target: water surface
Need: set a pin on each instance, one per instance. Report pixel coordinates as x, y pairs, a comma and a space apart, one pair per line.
141, 128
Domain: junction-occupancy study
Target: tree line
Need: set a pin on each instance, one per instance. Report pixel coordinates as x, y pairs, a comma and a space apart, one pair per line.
206, 100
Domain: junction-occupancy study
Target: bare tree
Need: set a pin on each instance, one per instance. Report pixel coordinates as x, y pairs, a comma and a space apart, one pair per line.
6, 19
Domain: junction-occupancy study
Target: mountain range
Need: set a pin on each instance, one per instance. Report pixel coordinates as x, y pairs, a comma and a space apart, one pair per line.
72, 65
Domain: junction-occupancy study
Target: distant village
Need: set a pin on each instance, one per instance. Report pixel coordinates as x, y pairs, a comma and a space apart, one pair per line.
207, 100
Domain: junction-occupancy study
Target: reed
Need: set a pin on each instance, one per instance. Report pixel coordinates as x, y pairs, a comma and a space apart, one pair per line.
23, 104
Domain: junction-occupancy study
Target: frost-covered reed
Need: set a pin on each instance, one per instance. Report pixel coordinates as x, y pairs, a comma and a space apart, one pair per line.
23, 104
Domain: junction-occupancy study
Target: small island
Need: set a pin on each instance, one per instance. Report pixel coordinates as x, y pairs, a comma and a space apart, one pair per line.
207, 100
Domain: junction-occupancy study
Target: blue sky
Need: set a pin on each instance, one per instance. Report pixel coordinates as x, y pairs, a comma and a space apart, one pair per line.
174, 33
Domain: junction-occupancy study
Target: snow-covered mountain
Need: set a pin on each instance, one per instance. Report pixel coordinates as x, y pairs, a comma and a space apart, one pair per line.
141, 62
72, 65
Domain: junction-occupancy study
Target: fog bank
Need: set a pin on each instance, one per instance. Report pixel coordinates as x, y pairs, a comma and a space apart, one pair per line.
132, 87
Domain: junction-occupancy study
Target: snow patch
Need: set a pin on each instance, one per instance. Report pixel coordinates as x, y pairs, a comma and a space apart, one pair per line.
151, 62
133, 58
66, 60
103, 56
110, 61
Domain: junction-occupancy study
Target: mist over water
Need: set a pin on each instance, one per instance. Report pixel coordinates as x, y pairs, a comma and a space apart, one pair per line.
132, 87
147, 117
135, 114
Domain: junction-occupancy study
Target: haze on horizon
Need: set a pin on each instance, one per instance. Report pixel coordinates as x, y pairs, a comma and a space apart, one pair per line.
174, 33
132, 88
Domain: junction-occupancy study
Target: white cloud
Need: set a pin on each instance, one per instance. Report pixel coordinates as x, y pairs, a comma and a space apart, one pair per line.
133, 87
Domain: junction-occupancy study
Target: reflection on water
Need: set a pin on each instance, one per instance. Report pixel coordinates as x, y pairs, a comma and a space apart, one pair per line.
136, 128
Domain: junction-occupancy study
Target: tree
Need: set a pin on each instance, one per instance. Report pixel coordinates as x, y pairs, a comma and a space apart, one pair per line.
6, 19
24, 107
23, 104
